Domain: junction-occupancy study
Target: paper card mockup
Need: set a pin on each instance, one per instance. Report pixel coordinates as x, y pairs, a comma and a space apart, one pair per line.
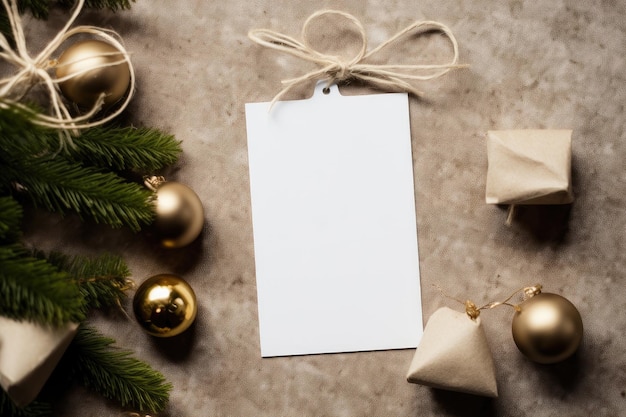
335, 237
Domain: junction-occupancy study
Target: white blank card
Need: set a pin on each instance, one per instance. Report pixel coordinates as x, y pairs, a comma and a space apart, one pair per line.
333, 210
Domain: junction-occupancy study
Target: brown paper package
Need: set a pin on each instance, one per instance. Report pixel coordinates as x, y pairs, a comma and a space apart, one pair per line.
29, 352
529, 167
454, 355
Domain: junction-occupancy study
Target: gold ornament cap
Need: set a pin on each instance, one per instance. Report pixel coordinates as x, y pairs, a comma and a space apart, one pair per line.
547, 328
165, 305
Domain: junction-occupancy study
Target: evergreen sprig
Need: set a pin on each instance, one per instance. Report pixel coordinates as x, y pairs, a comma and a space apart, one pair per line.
103, 281
124, 148
60, 186
10, 218
33, 289
41, 8
76, 178
114, 373
113, 5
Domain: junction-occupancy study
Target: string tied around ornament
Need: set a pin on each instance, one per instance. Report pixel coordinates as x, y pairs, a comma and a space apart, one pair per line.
547, 328
35, 70
336, 69
473, 311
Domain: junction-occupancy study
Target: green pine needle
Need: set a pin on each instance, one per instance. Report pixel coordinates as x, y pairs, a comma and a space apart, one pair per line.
34, 289
38, 8
70, 180
34, 409
61, 186
124, 148
115, 374
103, 281
41, 8
10, 218
113, 5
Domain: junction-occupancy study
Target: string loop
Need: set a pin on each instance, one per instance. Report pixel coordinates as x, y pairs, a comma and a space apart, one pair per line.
336, 69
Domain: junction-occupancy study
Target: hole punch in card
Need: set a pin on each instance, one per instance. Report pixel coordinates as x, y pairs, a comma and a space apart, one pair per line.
335, 235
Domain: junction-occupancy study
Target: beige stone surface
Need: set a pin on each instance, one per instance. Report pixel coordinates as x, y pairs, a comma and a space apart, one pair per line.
533, 64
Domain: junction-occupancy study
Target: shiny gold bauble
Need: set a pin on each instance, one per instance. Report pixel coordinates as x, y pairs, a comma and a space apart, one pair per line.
179, 214
83, 62
547, 328
165, 305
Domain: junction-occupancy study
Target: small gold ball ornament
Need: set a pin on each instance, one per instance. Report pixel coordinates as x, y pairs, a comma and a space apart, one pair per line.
547, 328
165, 305
179, 214
84, 62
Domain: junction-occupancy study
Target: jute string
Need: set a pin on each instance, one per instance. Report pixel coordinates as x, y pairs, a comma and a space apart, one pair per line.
473, 311
33, 70
336, 69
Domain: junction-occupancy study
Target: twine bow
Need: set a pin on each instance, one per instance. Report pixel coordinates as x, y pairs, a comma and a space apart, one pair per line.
335, 69
35, 70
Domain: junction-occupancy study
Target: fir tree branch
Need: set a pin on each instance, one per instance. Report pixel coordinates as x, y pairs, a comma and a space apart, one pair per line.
113, 5
119, 148
115, 374
60, 186
33, 289
41, 8
34, 409
103, 281
38, 8
124, 148
10, 218
19, 137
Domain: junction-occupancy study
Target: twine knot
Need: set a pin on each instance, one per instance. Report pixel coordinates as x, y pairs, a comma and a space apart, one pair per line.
335, 69
31, 70
343, 71
471, 310
34, 70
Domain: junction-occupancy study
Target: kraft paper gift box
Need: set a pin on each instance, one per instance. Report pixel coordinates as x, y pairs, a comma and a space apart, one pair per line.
29, 352
529, 167
454, 355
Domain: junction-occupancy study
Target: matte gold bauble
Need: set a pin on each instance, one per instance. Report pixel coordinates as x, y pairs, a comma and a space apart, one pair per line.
547, 328
179, 214
165, 305
84, 62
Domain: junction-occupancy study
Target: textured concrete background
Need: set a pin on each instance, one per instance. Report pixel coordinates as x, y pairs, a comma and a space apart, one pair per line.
534, 64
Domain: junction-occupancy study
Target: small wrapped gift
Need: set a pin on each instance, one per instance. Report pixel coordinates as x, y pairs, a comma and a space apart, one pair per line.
29, 352
529, 167
454, 355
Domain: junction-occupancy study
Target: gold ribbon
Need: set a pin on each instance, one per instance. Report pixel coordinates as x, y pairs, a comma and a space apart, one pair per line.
335, 69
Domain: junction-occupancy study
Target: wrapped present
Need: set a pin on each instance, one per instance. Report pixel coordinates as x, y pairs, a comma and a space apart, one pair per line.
529, 167
454, 355
29, 352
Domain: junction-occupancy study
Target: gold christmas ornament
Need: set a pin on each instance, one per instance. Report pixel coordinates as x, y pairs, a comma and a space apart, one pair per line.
547, 328
165, 305
179, 213
89, 68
